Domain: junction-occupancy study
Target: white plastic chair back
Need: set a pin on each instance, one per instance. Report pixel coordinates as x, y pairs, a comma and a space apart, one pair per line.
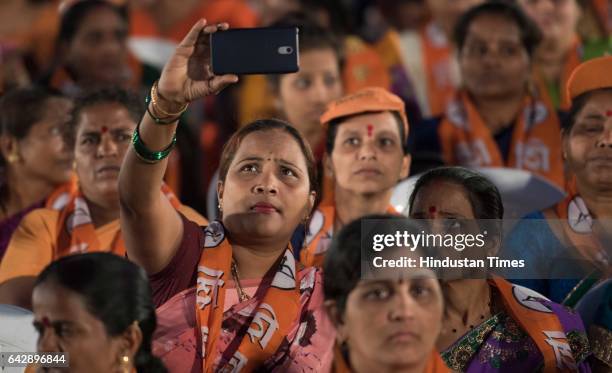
16, 332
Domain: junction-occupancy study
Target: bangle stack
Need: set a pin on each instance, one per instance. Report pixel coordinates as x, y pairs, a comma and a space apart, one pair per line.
164, 117
145, 154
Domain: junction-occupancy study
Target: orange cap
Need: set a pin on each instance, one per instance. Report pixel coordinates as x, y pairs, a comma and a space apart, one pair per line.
366, 100
590, 75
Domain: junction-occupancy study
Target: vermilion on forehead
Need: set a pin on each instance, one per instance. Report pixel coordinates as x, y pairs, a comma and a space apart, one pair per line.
609, 113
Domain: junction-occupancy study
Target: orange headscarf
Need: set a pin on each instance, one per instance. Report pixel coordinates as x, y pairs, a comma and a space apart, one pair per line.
536, 140
270, 321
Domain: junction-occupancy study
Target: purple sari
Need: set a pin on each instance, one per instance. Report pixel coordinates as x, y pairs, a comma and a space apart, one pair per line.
501, 345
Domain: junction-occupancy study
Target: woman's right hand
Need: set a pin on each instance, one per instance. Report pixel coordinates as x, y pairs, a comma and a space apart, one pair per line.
187, 75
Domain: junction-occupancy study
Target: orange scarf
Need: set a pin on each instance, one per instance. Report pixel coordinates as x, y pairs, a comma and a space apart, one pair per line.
536, 139
435, 364
437, 60
77, 232
319, 235
268, 326
577, 225
541, 323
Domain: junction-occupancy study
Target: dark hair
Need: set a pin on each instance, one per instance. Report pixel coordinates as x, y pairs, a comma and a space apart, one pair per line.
312, 37
75, 15
332, 131
20, 110
578, 104
342, 268
231, 147
531, 35
482, 193
129, 100
115, 291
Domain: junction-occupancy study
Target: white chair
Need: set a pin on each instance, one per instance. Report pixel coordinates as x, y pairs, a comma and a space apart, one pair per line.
16, 332
522, 192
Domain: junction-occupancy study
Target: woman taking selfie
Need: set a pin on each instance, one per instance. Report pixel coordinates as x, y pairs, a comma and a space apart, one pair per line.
97, 309
487, 322
230, 296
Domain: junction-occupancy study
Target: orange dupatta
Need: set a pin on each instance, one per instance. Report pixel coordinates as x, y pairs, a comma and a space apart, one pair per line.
268, 326
536, 139
435, 364
77, 232
320, 233
541, 323
577, 225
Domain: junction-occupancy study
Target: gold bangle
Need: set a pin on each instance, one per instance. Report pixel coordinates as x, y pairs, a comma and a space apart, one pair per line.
155, 99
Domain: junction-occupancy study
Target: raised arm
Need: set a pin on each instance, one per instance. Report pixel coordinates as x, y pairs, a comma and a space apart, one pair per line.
151, 227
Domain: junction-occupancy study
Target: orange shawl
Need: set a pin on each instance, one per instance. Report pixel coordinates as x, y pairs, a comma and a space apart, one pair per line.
77, 232
541, 323
435, 364
320, 233
268, 326
536, 139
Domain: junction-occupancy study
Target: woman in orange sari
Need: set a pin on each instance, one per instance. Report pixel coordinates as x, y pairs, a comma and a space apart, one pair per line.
230, 296
86, 218
34, 159
366, 156
498, 119
388, 321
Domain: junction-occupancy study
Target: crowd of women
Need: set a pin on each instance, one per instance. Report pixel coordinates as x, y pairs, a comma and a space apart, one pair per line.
107, 236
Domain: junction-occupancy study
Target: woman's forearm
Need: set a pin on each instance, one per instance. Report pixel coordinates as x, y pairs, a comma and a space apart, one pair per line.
140, 182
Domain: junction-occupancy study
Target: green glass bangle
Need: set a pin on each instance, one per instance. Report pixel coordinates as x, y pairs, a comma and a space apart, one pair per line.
147, 155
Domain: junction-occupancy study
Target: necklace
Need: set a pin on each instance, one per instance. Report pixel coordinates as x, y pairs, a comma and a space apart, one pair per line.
490, 311
242, 295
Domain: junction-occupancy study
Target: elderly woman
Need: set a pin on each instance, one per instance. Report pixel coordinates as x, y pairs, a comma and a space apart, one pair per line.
498, 119
230, 296
492, 325
100, 132
34, 159
578, 229
387, 321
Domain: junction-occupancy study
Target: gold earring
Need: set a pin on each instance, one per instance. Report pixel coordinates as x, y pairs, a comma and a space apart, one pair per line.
219, 207
125, 362
12, 158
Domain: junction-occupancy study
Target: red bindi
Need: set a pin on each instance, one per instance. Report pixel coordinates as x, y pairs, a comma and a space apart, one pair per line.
432, 209
370, 130
45, 321
104, 129
609, 113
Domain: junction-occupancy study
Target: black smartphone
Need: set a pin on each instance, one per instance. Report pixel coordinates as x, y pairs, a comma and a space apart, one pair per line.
255, 51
